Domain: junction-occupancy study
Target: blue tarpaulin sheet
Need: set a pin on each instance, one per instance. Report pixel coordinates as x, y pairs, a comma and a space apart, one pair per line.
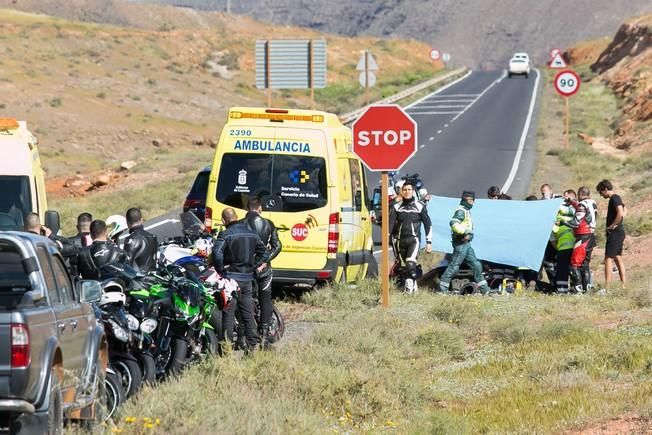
505, 232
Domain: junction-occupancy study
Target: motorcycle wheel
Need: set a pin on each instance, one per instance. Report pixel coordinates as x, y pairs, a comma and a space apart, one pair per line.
179, 355
277, 328
148, 367
114, 395
208, 342
130, 375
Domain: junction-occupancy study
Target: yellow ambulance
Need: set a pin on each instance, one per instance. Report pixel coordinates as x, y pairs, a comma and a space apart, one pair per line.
300, 164
22, 187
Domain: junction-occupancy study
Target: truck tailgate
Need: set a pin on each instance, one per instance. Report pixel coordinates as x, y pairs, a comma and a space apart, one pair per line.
5, 343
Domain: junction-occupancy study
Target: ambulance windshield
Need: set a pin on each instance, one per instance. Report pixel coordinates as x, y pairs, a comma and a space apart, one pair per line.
283, 182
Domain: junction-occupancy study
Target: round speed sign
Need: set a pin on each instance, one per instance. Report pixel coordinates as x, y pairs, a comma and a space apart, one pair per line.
567, 83
435, 54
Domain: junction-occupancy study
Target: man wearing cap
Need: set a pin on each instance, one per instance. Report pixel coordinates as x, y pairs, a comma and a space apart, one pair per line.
462, 234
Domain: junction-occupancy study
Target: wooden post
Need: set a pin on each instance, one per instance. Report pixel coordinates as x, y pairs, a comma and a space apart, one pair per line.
384, 235
310, 76
268, 74
366, 77
567, 123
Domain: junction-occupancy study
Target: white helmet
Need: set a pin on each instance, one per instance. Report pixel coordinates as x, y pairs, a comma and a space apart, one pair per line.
398, 185
112, 298
423, 193
203, 247
115, 224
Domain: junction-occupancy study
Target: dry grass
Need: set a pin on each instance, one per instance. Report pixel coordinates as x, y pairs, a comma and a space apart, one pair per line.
429, 364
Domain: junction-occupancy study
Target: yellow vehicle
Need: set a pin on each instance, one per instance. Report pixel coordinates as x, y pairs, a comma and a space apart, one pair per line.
300, 164
22, 185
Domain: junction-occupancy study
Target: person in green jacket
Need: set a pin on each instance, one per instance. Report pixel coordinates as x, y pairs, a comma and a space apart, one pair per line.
564, 241
462, 233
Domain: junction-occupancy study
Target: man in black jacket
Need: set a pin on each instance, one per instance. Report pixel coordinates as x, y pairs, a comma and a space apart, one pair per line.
140, 245
102, 252
237, 253
268, 234
83, 237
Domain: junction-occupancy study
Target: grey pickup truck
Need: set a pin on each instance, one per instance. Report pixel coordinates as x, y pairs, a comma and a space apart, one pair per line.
54, 354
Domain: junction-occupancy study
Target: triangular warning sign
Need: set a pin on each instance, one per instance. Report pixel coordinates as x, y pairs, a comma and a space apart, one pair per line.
557, 62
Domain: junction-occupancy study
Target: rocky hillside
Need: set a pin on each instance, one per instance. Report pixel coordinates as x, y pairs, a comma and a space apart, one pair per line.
625, 66
475, 32
97, 95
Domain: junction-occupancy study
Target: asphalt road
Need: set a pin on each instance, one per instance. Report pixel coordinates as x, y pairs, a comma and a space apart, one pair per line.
470, 136
474, 133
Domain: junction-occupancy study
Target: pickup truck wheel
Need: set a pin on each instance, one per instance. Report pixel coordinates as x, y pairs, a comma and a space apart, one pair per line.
130, 374
55, 406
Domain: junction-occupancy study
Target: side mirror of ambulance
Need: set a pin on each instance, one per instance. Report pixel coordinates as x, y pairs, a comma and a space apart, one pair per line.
52, 221
376, 200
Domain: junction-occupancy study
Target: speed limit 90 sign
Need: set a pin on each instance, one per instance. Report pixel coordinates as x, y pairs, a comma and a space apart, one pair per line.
567, 83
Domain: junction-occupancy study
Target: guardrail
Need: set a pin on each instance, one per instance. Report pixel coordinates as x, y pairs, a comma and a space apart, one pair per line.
352, 116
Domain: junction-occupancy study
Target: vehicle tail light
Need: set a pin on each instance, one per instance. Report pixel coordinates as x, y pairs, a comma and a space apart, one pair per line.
191, 203
208, 219
333, 233
20, 354
323, 274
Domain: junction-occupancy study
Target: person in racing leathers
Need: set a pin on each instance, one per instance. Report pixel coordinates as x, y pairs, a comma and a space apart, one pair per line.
405, 220
140, 245
268, 234
583, 224
237, 253
100, 253
462, 233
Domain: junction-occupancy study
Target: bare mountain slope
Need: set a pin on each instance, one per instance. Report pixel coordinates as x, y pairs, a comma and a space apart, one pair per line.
473, 31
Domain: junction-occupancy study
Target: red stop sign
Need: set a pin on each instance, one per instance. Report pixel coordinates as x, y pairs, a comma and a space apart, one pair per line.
384, 137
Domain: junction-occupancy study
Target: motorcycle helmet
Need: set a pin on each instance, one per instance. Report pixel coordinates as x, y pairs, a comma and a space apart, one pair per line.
398, 185
112, 298
203, 247
116, 225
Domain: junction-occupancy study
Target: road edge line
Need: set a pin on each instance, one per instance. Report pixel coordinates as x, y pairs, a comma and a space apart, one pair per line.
521, 143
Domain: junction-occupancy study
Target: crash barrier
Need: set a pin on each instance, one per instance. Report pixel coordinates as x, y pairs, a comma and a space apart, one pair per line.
352, 116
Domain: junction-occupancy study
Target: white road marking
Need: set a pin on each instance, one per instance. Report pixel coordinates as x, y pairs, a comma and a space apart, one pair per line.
443, 88
498, 80
438, 106
431, 138
432, 113
455, 100
439, 131
456, 96
521, 143
157, 224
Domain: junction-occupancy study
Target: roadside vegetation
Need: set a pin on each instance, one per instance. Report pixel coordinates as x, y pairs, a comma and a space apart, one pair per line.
430, 364
595, 114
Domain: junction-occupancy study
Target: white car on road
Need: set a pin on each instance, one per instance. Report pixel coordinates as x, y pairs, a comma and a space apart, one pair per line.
519, 64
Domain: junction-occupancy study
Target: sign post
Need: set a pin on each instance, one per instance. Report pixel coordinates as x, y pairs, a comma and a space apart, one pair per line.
567, 83
367, 65
384, 138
